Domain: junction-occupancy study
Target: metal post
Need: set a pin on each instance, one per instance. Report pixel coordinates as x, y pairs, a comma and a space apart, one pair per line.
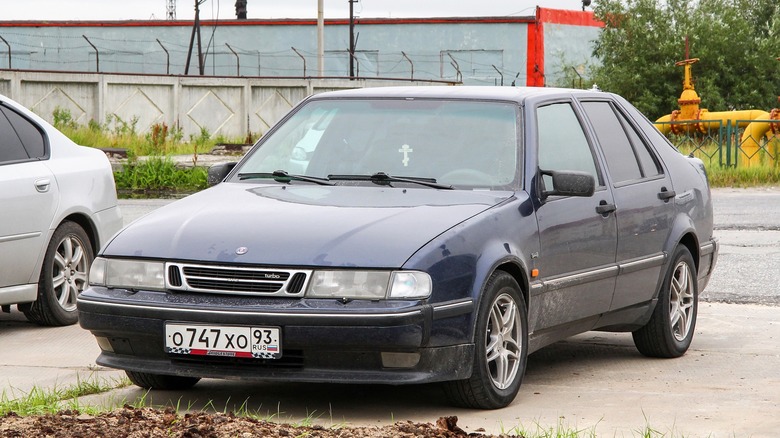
578, 75
97, 54
411, 64
321, 38
728, 143
167, 58
351, 39
302, 57
238, 62
499, 72
9, 52
454, 63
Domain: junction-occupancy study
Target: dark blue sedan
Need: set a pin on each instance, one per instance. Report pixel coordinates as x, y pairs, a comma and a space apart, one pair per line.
411, 235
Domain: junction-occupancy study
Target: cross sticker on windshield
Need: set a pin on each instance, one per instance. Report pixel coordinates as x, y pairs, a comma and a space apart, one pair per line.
405, 149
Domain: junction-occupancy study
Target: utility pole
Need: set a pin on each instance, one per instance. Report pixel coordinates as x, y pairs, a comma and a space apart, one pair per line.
196, 30
351, 40
170, 12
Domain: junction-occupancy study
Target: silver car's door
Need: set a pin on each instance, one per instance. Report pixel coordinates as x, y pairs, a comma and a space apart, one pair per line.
644, 197
28, 199
577, 234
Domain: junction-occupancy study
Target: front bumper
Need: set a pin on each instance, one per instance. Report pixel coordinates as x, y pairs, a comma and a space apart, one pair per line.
399, 344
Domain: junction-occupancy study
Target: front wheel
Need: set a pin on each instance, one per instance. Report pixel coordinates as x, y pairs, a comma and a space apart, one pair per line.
161, 381
670, 330
63, 277
501, 348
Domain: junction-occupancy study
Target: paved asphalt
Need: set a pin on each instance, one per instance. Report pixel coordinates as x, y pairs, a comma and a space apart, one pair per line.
726, 386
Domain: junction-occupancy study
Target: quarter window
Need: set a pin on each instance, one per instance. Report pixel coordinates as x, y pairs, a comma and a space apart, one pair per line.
30, 135
19, 138
11, 148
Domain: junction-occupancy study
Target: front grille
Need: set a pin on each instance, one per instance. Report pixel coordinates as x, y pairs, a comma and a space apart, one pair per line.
237, 280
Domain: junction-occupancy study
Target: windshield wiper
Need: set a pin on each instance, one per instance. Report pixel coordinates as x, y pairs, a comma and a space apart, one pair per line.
382, 178
283, 176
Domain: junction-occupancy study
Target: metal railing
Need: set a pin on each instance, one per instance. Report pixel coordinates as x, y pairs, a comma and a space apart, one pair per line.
724, 142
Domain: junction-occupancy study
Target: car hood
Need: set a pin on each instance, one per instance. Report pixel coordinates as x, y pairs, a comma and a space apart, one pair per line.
300, 224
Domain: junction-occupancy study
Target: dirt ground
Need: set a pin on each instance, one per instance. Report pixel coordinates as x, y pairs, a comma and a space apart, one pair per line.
149, 423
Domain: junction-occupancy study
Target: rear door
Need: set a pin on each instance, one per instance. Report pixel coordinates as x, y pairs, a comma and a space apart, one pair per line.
28, 196
644, 200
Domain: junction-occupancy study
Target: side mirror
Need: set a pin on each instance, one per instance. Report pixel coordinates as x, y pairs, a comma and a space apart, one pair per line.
218, 172
569, 183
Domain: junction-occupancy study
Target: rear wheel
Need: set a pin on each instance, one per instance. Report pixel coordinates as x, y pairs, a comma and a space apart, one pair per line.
161, 381
501, 348
63, 277
670, 330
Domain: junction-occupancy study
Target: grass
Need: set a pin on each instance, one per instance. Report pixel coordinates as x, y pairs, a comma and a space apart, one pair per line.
160, 140
756, 176
159, 174
39, 401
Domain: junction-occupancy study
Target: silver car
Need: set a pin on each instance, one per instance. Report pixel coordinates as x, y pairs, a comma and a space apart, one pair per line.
57, 207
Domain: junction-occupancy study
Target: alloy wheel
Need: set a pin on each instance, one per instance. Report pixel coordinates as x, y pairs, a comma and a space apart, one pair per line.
681, 301
503, 346
69, 273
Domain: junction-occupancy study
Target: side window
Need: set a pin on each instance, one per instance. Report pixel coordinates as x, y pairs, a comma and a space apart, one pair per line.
626, 155
649, 164
11, 148
30, 135
562, 141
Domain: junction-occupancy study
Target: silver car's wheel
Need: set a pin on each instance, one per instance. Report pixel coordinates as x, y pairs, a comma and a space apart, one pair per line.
503, 342
669, 331
69, 271
500, 347
63, 276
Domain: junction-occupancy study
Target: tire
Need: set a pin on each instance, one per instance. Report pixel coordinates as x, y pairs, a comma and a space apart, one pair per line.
670, 330
500, 350
63, 276
161, 381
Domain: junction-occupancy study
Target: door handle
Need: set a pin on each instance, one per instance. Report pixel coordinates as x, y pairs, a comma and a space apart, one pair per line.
42, 185
604, 208
665, 195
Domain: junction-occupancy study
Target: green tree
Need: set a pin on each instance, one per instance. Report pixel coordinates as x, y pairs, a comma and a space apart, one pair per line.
737, 42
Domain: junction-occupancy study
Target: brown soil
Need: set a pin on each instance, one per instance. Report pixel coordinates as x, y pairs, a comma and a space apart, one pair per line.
147, 423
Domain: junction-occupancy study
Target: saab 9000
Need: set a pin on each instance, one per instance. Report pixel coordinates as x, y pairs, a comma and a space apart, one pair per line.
410, 235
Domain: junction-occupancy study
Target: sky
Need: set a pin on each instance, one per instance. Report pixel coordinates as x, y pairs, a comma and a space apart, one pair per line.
225, 9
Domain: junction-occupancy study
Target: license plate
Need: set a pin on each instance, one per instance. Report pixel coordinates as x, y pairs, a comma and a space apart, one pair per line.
225, 341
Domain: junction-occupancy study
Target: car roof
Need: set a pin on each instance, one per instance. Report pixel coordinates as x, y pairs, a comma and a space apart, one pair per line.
517, 94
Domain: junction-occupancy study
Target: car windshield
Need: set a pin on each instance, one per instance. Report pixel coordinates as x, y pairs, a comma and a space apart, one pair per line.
449, 142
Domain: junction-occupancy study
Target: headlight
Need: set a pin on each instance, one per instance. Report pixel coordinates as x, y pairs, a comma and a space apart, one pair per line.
129, 274
369, 285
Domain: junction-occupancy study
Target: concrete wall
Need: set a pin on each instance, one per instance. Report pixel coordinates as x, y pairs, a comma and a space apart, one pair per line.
227, 106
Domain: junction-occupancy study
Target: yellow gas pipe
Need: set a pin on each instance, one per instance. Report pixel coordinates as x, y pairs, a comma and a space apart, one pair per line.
702, 120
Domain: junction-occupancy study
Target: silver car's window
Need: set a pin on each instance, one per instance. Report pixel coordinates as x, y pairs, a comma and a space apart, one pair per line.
470, 143
30, 135
11, 148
